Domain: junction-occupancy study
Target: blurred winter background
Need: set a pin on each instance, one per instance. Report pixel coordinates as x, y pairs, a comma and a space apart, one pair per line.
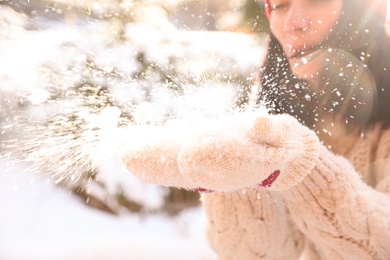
73, 76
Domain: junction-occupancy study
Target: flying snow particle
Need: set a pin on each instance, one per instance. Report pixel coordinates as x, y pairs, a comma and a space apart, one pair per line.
38, 96
110, 116
144, 113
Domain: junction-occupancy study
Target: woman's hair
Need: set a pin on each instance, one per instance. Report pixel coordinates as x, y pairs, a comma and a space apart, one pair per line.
356, 81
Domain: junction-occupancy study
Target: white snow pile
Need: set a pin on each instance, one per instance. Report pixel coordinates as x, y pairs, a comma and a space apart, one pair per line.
40, 222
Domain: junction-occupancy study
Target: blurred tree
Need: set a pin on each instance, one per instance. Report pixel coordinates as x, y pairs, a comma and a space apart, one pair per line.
255, 19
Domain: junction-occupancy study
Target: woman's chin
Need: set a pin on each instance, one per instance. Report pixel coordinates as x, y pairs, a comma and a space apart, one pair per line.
307, 66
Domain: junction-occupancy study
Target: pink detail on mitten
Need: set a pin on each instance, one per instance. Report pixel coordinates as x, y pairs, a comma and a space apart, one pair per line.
203, 190
269, 181
264, 184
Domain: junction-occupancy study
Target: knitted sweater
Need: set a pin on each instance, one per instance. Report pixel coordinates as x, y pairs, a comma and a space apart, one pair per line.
341, 210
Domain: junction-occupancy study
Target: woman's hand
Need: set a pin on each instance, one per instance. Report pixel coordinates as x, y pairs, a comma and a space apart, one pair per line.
229, 153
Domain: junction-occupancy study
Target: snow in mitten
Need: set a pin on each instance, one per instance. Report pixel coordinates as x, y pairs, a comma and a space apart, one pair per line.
269, 151
151, 154
229, 153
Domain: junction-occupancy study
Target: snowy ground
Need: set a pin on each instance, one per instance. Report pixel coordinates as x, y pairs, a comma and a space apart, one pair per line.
38, 222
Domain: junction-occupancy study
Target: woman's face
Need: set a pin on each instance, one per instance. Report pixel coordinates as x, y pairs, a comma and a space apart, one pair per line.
300, 25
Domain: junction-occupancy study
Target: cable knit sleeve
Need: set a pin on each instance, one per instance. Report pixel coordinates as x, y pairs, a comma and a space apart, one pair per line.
381, 163
344, 217
251, 225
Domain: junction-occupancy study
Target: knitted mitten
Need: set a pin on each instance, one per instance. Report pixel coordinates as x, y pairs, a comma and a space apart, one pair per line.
151, 154
229, 153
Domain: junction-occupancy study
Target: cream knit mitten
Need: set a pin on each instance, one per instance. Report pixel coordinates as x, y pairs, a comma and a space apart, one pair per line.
225, 154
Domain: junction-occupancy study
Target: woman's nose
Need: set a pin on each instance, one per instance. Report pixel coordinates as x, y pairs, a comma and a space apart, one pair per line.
297, 18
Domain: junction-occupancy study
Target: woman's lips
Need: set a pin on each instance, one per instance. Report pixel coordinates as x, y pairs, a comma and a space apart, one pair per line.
297, 53
292, 50
301, 51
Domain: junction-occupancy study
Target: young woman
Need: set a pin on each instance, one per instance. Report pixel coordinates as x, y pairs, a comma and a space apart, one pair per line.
328, 66
327, 61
